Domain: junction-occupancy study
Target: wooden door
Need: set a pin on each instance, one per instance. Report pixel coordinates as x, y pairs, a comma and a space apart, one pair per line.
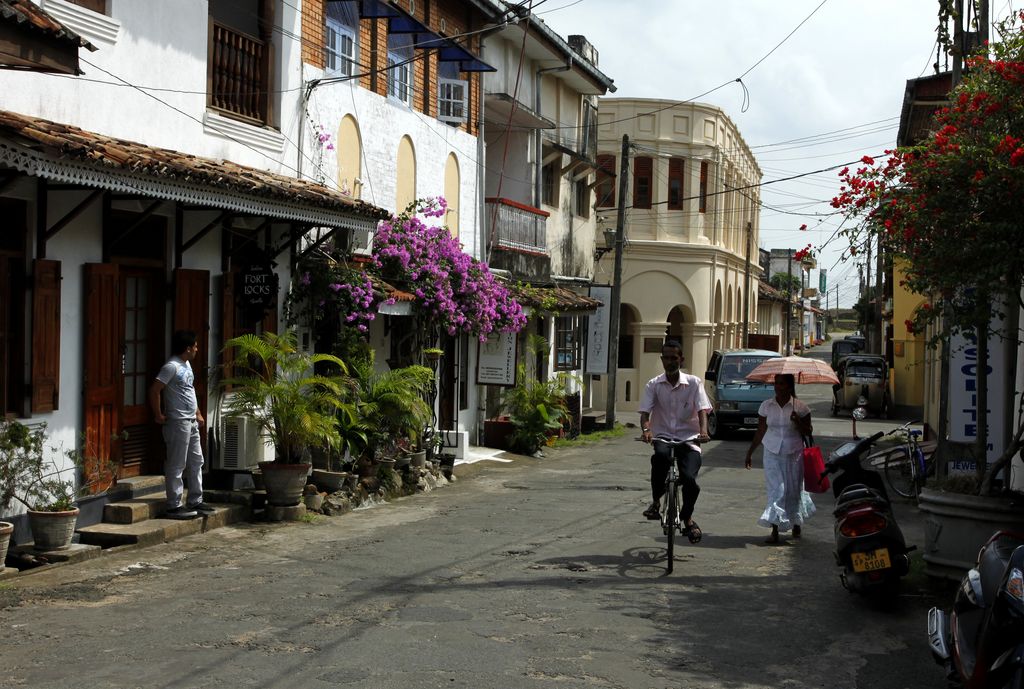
192, 312
142, 353
102, 363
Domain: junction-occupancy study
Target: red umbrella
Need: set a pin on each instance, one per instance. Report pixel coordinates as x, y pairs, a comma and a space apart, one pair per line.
804, 370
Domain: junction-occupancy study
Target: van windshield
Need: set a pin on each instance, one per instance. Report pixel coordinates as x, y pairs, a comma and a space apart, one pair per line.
736, 368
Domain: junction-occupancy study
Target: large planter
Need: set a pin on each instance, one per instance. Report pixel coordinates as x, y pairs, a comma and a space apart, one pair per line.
284, 482
330, 481
6, 529
52, 530
957, 525
497, 433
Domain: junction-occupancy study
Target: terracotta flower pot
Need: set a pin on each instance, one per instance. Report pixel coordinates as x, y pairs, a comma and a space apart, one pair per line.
284, 482
6, 529
52, 530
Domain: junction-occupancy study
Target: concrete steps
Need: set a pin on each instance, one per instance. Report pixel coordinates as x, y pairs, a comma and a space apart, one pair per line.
138, 520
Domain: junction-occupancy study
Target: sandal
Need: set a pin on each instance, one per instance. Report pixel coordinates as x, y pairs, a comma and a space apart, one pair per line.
693, 532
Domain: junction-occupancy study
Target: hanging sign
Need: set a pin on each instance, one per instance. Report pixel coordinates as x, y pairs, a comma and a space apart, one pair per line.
257, 283
496, 360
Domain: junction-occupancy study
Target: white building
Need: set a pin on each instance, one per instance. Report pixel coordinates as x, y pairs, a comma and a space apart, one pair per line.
690, 265
145, 196
541, 151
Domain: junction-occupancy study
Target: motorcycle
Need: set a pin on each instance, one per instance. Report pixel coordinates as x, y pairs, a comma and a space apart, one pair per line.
981, 641
869, 543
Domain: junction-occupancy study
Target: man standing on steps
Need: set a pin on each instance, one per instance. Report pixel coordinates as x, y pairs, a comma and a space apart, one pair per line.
179, 415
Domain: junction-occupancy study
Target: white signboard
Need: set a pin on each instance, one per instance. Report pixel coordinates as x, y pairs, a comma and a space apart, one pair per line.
597, 325
963, 390
496, 360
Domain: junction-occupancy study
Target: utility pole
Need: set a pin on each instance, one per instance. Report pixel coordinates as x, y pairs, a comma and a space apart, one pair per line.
879, 294
789, 297
746, 288
613, 321
868, 332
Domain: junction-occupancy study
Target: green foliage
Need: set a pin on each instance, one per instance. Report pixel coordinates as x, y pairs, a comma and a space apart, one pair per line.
535, 407
38, 483
591, 438
391, 405
298, 409
786, 283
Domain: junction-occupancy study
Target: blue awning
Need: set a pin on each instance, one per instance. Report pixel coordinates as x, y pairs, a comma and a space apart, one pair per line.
401, 22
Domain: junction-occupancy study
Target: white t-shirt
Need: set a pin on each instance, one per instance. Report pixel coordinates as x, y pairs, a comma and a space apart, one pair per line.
180, 394
782, 436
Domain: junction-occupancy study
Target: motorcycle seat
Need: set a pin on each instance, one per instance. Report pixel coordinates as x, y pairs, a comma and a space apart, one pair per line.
993, 560
858, 493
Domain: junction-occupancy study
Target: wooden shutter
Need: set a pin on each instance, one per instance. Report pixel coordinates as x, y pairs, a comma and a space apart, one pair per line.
676, 187
643, 168
192, 312
102, 361
227, 323
703, 186
45, 335
606, 181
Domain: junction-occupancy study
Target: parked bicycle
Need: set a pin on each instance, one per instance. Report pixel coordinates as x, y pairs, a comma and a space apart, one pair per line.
907, 466
671, 500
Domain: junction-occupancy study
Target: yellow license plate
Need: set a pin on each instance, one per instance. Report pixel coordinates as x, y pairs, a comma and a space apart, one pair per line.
870, 562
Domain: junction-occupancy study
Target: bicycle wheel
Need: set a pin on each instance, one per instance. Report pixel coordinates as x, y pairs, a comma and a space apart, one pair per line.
900, 474
671, 515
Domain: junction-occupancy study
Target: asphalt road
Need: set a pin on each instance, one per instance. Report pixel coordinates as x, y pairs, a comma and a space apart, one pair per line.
535, 573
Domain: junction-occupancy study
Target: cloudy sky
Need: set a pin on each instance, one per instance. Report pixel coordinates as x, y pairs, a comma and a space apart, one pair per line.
834, 89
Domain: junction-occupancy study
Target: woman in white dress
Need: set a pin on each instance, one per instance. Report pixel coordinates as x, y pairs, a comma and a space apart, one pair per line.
782, 422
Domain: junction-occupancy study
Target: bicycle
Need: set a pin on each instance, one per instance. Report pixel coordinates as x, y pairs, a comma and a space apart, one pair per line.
671, 500
906, 467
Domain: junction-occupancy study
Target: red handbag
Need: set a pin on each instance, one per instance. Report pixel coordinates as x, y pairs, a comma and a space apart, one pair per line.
814, 466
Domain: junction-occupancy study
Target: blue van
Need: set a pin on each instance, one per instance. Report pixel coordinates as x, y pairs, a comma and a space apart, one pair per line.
734, 399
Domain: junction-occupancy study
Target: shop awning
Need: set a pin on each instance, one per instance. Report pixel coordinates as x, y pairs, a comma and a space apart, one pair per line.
65, 154
424, 38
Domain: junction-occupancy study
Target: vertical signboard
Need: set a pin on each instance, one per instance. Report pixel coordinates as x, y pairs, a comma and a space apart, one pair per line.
496, 360
822, 280
597, 331
964, 370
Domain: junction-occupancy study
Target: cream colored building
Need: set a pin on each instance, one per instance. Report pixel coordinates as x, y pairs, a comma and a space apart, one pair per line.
690, 194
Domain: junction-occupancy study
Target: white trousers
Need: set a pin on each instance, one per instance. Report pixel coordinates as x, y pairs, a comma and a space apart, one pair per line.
184, 459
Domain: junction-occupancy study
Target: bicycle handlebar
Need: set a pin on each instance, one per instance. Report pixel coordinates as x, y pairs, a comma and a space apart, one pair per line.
675, 442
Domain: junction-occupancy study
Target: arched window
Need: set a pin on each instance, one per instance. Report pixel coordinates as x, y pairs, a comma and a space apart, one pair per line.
405, 187
452, 187
350, 157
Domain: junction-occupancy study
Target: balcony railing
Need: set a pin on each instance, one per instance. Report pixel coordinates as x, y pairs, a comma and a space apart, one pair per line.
238, 73
517, 226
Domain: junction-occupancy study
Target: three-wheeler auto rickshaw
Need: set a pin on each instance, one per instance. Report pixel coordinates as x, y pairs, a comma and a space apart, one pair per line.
841, 348
863, 382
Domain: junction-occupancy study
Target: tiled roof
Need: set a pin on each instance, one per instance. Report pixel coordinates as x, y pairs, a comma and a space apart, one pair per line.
28, 14
555, 299
63, 142
766, 290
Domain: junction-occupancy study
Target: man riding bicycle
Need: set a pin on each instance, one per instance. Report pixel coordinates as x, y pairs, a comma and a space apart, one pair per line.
675, 407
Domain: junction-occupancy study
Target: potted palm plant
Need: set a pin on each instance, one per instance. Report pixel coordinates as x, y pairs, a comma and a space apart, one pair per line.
536, 408
294, 407
391, 404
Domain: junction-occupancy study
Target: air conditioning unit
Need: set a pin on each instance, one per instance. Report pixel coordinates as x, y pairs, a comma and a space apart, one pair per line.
239, 446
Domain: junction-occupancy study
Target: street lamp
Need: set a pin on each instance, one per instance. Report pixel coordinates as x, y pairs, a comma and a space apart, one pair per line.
609, 244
